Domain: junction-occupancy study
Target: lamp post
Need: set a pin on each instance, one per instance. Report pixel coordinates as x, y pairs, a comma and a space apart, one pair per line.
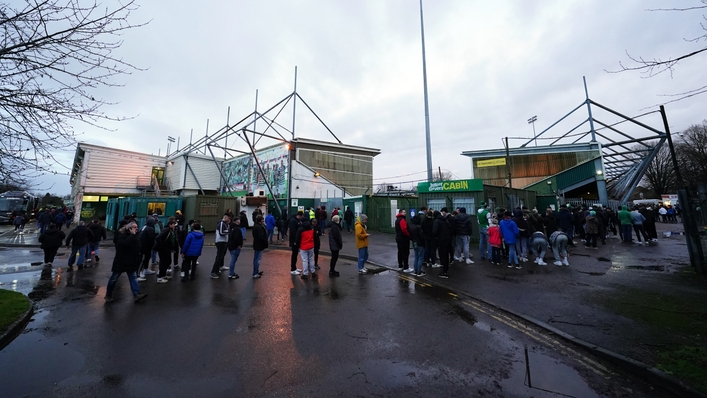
532, 121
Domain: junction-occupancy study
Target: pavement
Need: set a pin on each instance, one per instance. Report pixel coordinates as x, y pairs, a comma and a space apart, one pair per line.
606, 301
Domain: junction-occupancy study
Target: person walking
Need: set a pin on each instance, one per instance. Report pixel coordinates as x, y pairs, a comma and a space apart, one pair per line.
235, 244
484, 217
51, 241
418, 244
221, 240
260, 243
165, 244
60, 220
127, 259
294, 225
335, 244
638, 220
147, 240
305, 243
348, 219
442, 232
78, 239
362, 242
98, 233
191, 250
402, 239
510, 233
270, 224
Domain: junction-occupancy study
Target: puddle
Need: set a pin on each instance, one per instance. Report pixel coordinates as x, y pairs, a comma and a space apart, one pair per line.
658, 268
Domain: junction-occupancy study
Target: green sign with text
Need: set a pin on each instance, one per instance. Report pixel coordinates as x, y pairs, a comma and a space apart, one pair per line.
476, 184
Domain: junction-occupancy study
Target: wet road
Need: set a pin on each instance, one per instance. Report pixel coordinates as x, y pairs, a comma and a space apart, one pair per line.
383, 334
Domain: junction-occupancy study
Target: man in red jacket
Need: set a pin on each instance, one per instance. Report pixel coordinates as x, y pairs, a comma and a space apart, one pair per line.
305, 243
402, 238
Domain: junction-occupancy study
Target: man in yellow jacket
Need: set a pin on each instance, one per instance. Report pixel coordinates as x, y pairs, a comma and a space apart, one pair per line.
362, 243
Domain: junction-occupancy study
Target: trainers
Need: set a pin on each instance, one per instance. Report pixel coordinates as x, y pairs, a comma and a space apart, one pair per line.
469, 261
457, 259
363, 271
260, 273
316, 267
108, 299
69, 268
162, 280
422, 273
141, 279
519, 266
536, 260
295, 272
558, 263
224, 268
234, 276
88, 260
334, 273
214, 275
181, 274
140, 296
444, 275
256, 276
510, 265
436, 265
149, 272
176, 265
565, 263
154, 263
541, 262
408, 270
169, 270
314, 275
304, 276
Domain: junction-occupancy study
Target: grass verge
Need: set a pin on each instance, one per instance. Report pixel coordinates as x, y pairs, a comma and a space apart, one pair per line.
688, 363
12, 306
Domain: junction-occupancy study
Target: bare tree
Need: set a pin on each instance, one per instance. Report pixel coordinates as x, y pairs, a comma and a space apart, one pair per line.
55, 56
691, 154
660, 174
441, 175
656, 66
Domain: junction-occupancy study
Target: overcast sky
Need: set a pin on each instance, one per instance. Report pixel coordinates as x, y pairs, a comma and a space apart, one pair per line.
490, 67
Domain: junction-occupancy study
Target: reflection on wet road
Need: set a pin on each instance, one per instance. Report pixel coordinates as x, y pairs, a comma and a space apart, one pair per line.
358, 335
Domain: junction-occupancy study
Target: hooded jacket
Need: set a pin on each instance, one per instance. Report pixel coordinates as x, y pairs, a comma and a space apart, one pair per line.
402, 233
293, 226
462, 224
495, 235
416, 235
80, 235
305, 237
52, 238
98, 231
193, 244
222, 230
335, 240
592, 224
441, 230
509, 231
147, 235
260, 237
522, 223
361, 238
565, 219
127, 252
235, 237
625, 217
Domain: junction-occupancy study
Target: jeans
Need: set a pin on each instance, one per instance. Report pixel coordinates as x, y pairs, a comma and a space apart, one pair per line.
512, 257
243, 232
539, 247
221, 248
72, 257
484, 247
153, 256
132, 277
332, 263
626, 232
362, 257
419, 255
257, 255
307, 261
92, 248
234, 257
559, 249
522, 247
462, 247
322, 225
270, 232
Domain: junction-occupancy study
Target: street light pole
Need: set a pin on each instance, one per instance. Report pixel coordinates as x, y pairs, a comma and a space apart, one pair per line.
532, 121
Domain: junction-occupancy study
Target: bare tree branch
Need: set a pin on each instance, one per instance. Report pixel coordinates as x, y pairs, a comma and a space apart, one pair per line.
54, 57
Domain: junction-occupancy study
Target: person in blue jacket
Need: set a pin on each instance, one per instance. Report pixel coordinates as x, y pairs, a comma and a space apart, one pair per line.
270, 224
510, 233
191, 250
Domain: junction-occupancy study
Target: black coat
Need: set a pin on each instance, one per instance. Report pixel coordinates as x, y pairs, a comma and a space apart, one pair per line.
293, 226
98, 231
235, 237
80, 236
147, 238
166, 241
462, 224
335, 241
260, 237
127, 252
550, 222
441, 230
52, 239
244, 220
427, 225
348, 216
416, 235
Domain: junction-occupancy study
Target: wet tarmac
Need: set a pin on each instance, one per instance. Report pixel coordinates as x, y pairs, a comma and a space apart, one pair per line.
385, 334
